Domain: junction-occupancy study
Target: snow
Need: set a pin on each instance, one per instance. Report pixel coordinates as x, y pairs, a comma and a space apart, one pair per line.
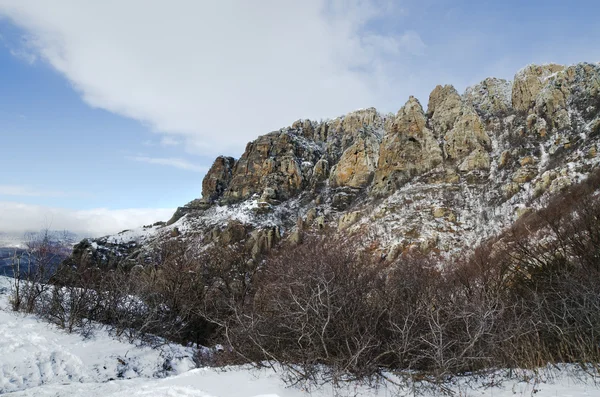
133, 235
33, 353
38, 359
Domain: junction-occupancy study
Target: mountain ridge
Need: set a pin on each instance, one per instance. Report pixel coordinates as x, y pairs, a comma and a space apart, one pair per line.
436, 179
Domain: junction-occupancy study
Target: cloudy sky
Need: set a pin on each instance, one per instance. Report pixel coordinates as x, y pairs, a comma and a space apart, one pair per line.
111, 111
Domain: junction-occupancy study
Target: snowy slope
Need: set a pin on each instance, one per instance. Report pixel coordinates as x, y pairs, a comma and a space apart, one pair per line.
34, 353
37, 359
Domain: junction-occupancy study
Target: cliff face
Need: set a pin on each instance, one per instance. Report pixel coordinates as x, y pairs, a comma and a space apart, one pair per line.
437, 179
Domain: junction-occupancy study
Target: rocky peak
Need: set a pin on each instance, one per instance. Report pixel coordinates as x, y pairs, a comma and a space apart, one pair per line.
435, 181
529, 82
408, 149
353, 122
466, 139
491, 96
217, 178
358, 163
443, 108
277, 162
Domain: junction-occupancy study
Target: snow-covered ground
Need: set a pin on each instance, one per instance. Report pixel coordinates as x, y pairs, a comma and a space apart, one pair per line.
38, 359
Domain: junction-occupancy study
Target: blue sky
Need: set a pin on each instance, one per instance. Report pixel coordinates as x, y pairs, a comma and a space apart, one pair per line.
110, 112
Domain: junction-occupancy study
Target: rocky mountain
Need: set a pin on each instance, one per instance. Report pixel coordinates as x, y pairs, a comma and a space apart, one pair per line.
435, 179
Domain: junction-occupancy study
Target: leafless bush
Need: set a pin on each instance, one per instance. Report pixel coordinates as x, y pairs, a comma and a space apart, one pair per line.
34, 267
526, 299
313, 308
326, 310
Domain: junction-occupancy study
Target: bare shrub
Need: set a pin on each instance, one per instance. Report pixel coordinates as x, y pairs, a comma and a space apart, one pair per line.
315, 308
33, 268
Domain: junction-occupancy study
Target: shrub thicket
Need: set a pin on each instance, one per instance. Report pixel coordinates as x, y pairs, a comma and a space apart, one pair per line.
324, 310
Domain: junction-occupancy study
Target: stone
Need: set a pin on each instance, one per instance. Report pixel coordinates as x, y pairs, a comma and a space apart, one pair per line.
443, 108
320, 171
510, 189
576, 85
311, 214
466, 136
478, 159
409, 149
528, 82
273, 160
527, 160
357, 165
451, 176
268, 195
320, 222
439, 212
305, 127
544, 182
296, 237
217, 178
504, 159
524, 174
490, 97
342, 200
348, 220
355, 121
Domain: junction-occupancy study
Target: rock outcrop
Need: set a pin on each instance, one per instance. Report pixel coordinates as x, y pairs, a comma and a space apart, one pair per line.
273, 161
217, 178
435, 181
444, 108
358, 163
529, 82
490, 97
407, 150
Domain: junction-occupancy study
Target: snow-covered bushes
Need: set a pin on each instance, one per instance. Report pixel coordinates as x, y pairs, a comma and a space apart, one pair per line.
33, 267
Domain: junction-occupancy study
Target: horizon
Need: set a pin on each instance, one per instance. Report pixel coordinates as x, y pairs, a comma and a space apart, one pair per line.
113, 113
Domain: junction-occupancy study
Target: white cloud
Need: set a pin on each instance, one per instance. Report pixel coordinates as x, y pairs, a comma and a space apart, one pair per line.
28, 191
171, 162
218, 73
170, 141
24, 55
412, 42
18, 218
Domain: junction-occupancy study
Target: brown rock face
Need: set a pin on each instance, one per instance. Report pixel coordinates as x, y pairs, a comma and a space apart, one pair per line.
357, 165
217, 178
353, 122
466, 137
272, 161
529, 82
306, 127
575, 84
443, 108
408, 149
465, 140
